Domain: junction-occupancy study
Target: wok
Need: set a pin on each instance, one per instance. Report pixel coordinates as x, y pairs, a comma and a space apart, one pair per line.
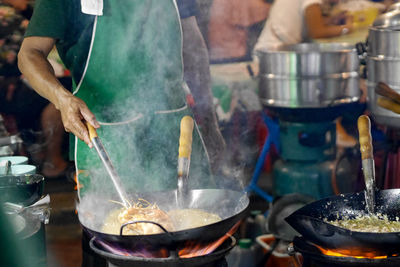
310, 222
21, 189
230, 205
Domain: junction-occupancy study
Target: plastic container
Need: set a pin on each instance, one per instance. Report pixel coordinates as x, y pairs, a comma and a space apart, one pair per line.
278, 258
254, 225
241, 255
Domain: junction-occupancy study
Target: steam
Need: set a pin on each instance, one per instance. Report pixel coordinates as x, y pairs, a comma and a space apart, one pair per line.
146, 154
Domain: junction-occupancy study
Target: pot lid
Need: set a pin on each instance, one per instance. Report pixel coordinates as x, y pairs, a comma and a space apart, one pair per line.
388, 20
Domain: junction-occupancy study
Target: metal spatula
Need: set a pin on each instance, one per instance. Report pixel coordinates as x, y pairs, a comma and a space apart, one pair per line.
368, 165
101, 151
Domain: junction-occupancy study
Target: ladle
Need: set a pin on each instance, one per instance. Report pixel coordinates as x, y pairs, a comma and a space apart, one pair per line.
185, 150
101, 151
368, 165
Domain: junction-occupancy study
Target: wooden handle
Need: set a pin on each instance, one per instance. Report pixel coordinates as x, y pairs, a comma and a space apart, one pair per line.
185, 139
384, 90
92, 131
364, 131
388, 104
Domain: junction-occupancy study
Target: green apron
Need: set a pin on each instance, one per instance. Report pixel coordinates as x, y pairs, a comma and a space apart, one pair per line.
133, 83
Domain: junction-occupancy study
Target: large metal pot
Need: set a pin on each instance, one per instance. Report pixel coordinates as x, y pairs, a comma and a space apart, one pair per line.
384, 42
308, 92
309, 59
383, 69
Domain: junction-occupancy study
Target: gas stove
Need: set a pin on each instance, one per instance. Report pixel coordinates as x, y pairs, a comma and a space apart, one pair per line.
166, 257
313, 256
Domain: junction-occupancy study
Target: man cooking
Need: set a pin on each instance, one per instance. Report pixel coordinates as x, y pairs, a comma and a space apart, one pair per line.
126, 61
129, 61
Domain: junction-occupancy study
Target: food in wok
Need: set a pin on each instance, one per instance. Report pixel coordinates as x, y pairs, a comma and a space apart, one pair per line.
190, 218
174, 220
374, 223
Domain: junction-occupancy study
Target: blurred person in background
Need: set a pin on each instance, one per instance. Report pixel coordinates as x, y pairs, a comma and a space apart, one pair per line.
297, 21
234, 26
31, 112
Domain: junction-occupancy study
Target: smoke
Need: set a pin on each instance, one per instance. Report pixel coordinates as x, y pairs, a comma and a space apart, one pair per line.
144, 151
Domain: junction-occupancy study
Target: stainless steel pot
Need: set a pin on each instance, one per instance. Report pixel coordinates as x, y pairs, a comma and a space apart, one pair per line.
381, 115
395, 6
388, 20
383, 69
384, 42
309, 59
303, 92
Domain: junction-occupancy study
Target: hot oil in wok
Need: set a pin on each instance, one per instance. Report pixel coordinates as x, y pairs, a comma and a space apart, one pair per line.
191, 218
174, 220
369, 223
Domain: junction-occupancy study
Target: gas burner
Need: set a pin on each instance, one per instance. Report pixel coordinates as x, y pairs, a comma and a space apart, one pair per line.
314, 257
216, 258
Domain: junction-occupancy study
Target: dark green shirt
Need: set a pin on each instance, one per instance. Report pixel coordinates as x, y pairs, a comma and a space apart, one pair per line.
64, 21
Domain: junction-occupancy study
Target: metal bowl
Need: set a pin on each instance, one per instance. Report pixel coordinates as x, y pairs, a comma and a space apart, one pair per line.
309, 59
384, 42
294, 92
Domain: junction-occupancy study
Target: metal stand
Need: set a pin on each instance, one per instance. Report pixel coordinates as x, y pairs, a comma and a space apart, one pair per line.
272, 138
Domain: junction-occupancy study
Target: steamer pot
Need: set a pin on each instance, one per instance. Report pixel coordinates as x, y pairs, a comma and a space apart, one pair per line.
308, 92
309, 59
384, 69
384, 42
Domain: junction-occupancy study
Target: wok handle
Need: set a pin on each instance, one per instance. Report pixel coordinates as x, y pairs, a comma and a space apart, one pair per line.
365, 139
92, 131
144, 221
388, 104
385, 90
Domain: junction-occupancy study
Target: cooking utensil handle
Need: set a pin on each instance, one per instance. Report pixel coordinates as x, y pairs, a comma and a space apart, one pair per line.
185, 139
365, 139
388, 104
144, 221
92, 131
384, 90
368, 165
185, 150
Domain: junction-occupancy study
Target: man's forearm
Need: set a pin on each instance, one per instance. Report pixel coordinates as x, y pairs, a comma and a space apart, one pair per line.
36, 68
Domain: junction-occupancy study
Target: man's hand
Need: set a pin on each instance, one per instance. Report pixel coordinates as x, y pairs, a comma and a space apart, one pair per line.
74, 114
33, 63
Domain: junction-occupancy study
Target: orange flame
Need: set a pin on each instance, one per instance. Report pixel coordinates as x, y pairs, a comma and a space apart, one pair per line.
78, 185
354, 253
195, 249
